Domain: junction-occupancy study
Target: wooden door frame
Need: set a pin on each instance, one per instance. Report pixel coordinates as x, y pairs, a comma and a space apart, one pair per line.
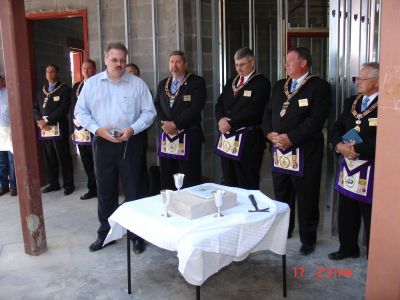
35, 16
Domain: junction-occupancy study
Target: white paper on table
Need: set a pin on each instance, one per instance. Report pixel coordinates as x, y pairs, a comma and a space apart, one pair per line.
204, 191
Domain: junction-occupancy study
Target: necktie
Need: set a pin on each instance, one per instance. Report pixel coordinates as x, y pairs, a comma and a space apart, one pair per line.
364, 104
293, 86
174, 86
240, 82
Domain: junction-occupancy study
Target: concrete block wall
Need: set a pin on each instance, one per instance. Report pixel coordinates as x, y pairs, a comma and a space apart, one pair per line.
141, 43
51, 46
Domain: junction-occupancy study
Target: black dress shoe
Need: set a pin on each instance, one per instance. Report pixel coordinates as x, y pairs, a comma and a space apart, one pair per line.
307, 249
13, 192
338, 255
88, 195
98, 245
69, 190
3, 191
50, 188
138, 246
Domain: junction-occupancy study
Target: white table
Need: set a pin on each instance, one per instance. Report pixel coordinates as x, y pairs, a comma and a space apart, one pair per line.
206, 245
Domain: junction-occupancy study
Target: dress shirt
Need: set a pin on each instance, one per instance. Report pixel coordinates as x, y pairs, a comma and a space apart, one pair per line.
248, 76
116, 105
371, 98
52, 85
301, 78
4, 112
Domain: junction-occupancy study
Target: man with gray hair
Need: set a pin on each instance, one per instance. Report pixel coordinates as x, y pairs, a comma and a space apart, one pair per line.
116, 107
354, 138
239, 113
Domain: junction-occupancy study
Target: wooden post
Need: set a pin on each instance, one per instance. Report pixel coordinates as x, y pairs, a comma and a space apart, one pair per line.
383, 263
18, 78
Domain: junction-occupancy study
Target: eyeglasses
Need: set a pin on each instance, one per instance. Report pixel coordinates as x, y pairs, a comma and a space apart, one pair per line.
242, 64
363, 79
115, 61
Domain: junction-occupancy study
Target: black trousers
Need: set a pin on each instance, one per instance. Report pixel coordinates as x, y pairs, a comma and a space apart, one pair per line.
191, 167
86, 153
144, 188
246, 172
349, 215
57, 153
305, 191
111, 162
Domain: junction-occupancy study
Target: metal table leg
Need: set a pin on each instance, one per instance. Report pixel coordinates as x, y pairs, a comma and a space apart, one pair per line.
128, 259
197, 292
284, 275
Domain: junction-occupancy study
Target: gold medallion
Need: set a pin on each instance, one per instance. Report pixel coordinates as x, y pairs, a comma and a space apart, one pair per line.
284, 162
226, 146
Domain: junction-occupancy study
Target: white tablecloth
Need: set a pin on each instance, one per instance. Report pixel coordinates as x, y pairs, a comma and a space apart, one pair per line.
207, 244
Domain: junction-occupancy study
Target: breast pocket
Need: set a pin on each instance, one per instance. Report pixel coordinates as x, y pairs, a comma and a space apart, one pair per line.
128, 104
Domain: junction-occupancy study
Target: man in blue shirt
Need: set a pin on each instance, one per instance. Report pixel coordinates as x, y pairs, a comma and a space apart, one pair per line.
115, 106
7, 173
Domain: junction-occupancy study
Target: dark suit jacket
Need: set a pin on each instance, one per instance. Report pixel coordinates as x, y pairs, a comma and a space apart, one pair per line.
244, 110
346, 121
185, 114
302, 124
56, 111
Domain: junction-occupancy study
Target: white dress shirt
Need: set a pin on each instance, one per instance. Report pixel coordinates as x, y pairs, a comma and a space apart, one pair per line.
115, 105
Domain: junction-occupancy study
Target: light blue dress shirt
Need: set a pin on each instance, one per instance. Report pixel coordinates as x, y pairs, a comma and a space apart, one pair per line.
117, 105
4, 111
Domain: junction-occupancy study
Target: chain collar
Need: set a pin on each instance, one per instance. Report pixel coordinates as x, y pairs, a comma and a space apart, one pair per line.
48, 94
289, 95
237, 89
171, 96
359, 116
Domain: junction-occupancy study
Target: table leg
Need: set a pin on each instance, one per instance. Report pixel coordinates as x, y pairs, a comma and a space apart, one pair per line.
128, 259
197, 292
284, 275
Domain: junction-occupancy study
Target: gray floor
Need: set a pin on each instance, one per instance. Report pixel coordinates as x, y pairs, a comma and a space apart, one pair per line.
69, 271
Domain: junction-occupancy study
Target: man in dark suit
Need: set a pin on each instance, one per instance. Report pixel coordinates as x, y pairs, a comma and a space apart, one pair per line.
293, 123
356, 170
239, 113
179, 101
133, 69
81, 136
51, 114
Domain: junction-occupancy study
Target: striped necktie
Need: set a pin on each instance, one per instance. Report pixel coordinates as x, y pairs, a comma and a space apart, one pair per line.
293, 86
364, 104
174, 86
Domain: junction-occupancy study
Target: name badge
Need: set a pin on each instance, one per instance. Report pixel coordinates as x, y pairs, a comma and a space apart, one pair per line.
247, 93
187, 98
56, 98
303, 102
373, 121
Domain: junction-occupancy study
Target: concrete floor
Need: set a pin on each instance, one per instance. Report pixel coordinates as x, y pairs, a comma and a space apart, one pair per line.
69, 271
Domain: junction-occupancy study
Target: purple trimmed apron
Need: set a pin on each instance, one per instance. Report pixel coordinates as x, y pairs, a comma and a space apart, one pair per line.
81, 136
290, 161
231, 144
355, 179
176, 146
54, 134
